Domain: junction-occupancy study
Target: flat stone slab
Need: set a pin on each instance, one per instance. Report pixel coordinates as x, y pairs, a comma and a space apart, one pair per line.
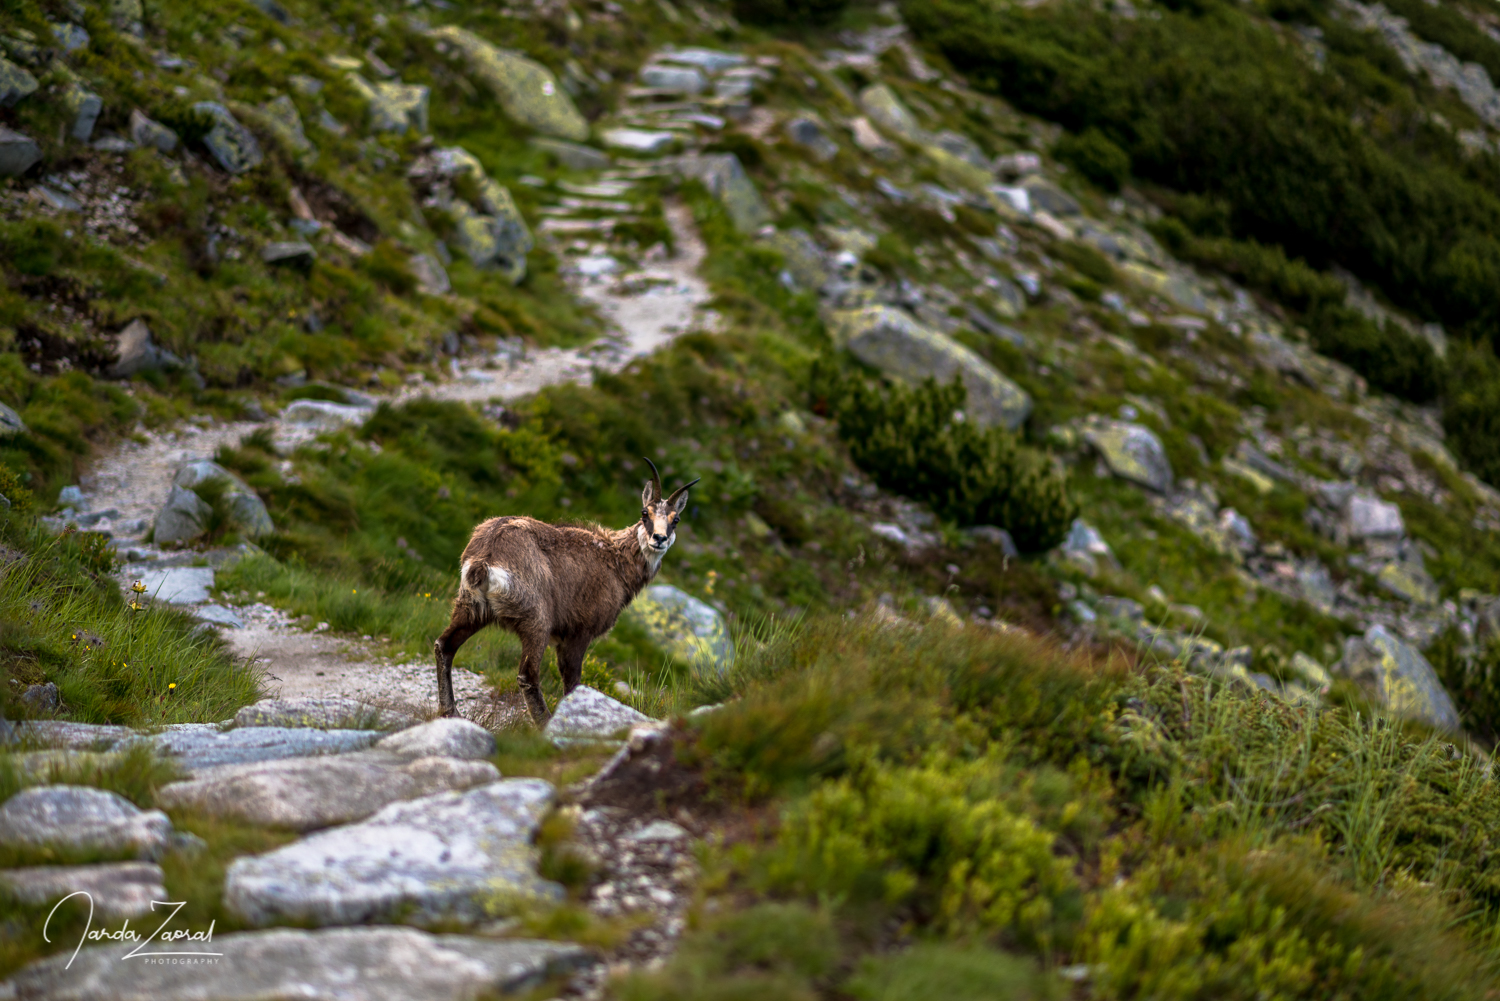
82, 819
331, 712
117, 889
73, 736
449, 738
206, 746
1132, 452
439, 856
588, 713
179, 585
332, 964
309, 793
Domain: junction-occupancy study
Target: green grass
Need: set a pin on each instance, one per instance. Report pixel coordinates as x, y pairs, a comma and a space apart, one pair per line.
62, 619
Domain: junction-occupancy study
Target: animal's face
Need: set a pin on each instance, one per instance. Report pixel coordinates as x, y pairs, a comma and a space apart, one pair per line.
659, 518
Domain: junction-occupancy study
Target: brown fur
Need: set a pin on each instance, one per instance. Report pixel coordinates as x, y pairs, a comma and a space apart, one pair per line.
553, 584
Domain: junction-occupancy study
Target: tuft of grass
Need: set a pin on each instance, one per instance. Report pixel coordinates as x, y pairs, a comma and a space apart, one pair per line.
954, 972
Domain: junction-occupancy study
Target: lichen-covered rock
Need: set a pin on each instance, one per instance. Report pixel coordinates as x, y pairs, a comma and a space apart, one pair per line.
333, 964
84, 107
1409, 581
429, 858
284, 120
1132, 452
228, 140
1400, 677
15, 83
491, 230
1174, 286
18, 153
527, 90
588, 714
146, 132
246, 510
326, 712
116, 889
727, 181
394, 107
889, 339
184, 516
305, 794
804, 258
687, 628
432, 277
82, 819
881, 105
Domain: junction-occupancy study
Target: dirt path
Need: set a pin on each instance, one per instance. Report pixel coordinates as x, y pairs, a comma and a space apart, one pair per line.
644, 310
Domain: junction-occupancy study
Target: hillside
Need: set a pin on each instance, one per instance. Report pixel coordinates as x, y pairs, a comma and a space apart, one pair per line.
1092, 588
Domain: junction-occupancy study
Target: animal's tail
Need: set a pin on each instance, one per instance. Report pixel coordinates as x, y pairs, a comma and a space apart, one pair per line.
481, 587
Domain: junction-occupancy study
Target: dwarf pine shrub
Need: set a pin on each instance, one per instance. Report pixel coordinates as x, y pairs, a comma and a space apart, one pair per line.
915, 442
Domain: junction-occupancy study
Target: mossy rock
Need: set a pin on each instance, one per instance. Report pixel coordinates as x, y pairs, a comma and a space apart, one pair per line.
527, 90
687, 628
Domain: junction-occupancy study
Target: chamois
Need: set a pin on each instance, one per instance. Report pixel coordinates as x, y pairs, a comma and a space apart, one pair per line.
559, 584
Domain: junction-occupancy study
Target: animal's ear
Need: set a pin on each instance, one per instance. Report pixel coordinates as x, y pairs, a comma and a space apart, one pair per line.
678, 501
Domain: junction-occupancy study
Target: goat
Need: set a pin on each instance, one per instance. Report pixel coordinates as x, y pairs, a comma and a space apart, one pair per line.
559, 584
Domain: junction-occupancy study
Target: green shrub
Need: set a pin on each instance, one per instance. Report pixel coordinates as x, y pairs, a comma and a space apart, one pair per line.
951, 972
1266, 269
794, 12
910, 441
1093, 155
33, 246
1471, 409
1388, 357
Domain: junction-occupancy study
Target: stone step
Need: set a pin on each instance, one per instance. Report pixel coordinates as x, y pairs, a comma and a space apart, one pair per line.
334, 964
441, 856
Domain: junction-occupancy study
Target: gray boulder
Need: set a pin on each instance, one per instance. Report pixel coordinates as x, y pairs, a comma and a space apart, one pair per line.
431, 276
84, 105
145, 132
229, 141
178, 585
326, 712
1400, 677
82, 819
1369, 517
1132, 452
648, 142
246, 510
889, 339
332, 964
431, 858
200, 746
135, 351
687, 628
18, 153
309, 793
116, 889
219, 615
881, 105
324, 415
588, 714
289, 253
1084, 547
72, 736
809, 134
1050, 198
183, 517
10, 422
447, 738
727, 181
490, 230
42, 698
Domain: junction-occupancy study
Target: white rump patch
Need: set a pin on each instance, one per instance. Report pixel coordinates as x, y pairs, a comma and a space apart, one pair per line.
499, 579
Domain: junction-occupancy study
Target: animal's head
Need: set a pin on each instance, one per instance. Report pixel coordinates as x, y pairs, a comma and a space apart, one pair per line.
660, 515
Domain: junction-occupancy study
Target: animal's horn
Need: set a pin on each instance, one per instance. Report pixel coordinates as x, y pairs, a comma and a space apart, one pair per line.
655, 476
683, 489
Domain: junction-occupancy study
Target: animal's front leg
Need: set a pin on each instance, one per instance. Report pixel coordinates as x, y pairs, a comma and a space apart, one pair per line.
570, 656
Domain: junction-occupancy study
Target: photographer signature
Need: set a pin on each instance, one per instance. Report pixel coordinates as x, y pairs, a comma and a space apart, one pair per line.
125, 934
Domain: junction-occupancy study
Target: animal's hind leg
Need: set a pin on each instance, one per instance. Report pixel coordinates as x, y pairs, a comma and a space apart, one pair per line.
570, 663
533, 647
447, 645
